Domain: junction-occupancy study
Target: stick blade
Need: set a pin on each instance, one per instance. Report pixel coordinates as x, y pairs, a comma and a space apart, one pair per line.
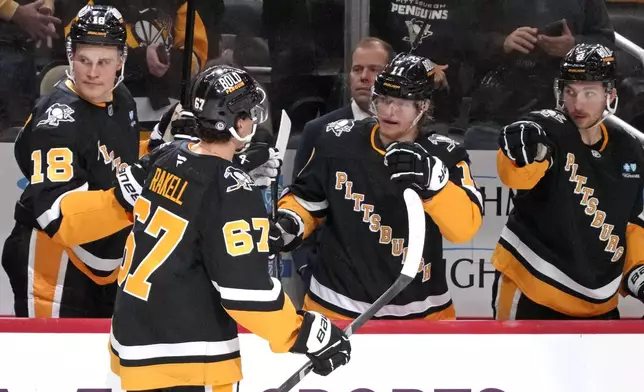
416, 222
283, 134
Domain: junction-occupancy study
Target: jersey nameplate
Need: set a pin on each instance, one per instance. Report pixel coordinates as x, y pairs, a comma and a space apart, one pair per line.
371, 218
591, 208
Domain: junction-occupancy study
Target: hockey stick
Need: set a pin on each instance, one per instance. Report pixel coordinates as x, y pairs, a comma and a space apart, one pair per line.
283, 135
187, 54
416, 221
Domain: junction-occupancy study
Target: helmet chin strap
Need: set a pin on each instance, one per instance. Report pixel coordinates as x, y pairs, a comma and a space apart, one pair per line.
246, 139
609, 110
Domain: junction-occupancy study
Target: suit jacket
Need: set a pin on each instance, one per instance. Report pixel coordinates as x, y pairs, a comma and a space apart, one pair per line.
312, 130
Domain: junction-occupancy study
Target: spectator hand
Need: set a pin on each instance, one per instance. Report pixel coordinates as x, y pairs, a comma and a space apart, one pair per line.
521, 40
440, 79
47, 11
155, 65
524, 142
326, 345
411, 165
38, 24
557, 46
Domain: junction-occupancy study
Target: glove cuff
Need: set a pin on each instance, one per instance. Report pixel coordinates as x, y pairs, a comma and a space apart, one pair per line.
314, 334
635, 282
129, 188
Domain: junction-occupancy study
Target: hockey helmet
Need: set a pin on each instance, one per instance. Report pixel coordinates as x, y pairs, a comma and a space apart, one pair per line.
97, 25
407, 76
222, 93
587, 63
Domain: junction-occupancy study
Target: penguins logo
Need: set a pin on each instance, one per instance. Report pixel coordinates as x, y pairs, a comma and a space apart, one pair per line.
57, 113
242, 180
340, 126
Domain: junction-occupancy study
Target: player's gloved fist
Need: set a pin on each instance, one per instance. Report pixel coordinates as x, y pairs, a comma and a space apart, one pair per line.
524, 142
182, 123
260, 161
286, 233
326, 345
129, 185
410, 164
635, 282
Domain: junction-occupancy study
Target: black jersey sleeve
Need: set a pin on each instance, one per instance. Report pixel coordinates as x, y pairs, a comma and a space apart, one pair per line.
307, 195
458, 208
52, 155
236, 257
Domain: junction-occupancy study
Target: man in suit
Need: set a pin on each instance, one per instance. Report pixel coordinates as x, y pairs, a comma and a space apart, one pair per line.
369, 58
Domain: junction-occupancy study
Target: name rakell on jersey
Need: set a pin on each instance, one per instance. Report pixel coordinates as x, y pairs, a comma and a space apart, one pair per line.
592, 209
374, 220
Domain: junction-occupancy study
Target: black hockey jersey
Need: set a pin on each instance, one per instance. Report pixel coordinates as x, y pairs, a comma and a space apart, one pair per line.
571, 234
363, 242
69, 145
195, 263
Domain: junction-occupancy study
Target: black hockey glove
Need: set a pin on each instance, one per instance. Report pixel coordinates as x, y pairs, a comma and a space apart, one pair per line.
183, 125
525, 142
411, 165
260, 162
129, 184
286, 233
635, 282
326, 345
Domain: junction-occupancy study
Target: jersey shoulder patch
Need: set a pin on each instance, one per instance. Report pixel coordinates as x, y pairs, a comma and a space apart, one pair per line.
237, 179
437, 139
550, 114
55, 114
445, 148
340, 126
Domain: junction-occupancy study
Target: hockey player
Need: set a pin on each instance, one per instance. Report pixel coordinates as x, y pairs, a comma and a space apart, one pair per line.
354, 181
195, 263
64, 250
576, 234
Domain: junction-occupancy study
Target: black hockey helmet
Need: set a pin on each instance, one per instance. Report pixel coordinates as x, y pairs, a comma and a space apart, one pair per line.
586, 63
221, 94
407, 76
97, 25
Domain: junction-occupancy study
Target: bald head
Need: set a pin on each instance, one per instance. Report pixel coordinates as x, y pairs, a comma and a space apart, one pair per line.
368, 60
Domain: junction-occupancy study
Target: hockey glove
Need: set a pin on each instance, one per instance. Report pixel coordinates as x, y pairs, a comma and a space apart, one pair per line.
129, 185
635, 282
182, 123
525, 142
286, 233
326, 345
411, 165
260, 162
